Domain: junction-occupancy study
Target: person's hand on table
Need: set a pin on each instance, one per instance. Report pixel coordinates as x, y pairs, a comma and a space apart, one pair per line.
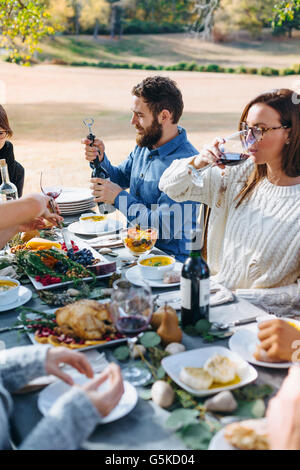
38, 223
94, 151
106, 401
104, 190
210, 154
277, 338
283, 414
58, 355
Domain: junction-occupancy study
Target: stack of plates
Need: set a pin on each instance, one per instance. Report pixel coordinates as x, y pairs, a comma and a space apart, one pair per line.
75, 201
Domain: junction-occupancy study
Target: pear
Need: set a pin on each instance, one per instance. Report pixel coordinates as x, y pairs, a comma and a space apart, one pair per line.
169, 330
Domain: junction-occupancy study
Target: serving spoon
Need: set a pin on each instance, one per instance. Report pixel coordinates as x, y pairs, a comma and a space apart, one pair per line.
225, 326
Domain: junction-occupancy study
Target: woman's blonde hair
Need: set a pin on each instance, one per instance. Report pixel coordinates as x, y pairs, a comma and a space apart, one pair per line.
287, 103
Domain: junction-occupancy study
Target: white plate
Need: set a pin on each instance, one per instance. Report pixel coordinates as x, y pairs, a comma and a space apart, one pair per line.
196, 358
33, 316
54, 391
24, 295
72, 207
70, 195
219, 442
134, 275
113, 226
77, 210
75, 204
244, 342
81, 244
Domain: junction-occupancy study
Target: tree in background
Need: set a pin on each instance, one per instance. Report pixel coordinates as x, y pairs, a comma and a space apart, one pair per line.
173, 11
203, 14
76, 6
60, 14
286, 17
116, 14
23, 23
243, 15
94, 13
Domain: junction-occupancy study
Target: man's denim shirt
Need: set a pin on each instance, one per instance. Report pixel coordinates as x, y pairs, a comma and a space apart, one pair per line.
145, 204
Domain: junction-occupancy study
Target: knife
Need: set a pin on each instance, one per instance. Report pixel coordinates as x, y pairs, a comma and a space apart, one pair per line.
64, 230
243, 321
10, 328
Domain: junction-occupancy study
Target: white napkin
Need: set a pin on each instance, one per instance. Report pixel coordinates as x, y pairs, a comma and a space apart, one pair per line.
218, 295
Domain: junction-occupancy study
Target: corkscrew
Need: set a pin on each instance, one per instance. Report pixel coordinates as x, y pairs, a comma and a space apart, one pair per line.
98, 171
89, 122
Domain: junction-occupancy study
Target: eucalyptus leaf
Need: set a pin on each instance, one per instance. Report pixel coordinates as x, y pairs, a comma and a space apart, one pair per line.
196, 436
252, 409
145, 394
203, 326
253, 392
182, 417
185, 399
121, 353
150, 339
160, 373
190, 330
96, 293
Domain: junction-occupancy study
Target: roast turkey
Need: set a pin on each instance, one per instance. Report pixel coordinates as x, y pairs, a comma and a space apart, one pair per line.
85, 319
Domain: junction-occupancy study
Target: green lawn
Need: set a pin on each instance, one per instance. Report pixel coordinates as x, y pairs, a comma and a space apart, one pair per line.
168, 49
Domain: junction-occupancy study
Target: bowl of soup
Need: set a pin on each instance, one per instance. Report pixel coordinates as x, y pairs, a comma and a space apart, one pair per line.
93, 223
9, 290
155, 266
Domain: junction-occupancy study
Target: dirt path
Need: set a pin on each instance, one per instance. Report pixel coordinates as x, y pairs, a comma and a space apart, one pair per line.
46, 105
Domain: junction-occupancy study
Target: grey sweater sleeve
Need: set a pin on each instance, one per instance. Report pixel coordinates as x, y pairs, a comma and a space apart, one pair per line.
70, 421
20, 365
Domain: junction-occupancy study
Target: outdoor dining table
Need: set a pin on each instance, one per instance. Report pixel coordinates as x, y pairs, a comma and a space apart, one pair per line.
143, 428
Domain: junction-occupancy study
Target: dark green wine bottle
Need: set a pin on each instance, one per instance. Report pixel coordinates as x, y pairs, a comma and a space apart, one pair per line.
194, 284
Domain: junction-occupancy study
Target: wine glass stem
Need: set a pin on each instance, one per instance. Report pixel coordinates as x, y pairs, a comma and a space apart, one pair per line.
131, 342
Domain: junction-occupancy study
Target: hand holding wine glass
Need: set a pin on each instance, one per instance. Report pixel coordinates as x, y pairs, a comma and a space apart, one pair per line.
231, 151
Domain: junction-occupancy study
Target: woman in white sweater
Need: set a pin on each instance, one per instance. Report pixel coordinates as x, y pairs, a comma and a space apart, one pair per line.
254, 228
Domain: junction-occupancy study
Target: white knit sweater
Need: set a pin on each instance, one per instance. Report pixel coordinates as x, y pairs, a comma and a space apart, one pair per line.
253, 249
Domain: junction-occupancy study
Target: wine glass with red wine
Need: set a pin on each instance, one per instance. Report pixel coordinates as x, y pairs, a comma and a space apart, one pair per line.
50, 183
235, 151
131, 310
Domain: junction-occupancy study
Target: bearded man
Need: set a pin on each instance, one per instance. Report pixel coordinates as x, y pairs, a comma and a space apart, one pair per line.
157, 106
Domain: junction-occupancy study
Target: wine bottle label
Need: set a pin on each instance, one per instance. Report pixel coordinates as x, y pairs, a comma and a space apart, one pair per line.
204, 292
186, 293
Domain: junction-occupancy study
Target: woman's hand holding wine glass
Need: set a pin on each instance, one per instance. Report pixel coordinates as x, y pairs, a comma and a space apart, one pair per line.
209, 155
231, 151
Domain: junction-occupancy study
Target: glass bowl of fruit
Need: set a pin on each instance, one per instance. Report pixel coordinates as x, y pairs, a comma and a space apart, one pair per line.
139, 241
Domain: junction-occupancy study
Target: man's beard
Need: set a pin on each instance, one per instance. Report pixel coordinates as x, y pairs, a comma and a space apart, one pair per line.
151, 135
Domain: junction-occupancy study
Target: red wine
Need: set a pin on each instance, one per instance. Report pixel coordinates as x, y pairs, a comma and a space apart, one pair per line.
194, 285
53, 194
233, 159
132, 325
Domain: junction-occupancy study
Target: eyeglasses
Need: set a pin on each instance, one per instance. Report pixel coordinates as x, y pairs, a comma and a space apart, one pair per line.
257, 132
3, 134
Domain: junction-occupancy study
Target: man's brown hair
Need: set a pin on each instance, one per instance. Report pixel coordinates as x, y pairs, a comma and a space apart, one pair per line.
160, 93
